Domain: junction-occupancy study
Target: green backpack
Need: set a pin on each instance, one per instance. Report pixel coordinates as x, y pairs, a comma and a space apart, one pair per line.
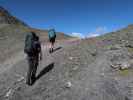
29, 44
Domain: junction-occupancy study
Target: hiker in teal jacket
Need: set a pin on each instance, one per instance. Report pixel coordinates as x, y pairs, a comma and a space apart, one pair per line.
52, 37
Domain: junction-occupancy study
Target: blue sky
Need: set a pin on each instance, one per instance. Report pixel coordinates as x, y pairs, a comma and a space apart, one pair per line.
79, 17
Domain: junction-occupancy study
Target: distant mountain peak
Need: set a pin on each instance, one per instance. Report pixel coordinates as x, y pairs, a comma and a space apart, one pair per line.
130, 25
2, 9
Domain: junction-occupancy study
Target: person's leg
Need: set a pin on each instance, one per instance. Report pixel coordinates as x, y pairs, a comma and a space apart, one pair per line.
50, 47
52, 44
29, 73
36, 63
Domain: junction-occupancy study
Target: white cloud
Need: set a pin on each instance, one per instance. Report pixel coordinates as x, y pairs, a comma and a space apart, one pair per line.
98, 31
79, 35
93, 35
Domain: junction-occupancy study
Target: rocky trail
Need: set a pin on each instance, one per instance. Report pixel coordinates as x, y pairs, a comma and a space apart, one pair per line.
75, 71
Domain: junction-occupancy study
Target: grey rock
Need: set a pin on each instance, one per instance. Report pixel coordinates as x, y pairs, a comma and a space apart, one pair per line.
124, 65
68, 84
115, 47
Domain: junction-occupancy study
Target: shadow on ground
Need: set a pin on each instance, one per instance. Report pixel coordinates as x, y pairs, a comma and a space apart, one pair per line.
56, 49
45, 70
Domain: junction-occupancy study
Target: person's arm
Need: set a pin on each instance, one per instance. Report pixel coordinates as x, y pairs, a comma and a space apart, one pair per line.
49, 34
40, 52
41, 55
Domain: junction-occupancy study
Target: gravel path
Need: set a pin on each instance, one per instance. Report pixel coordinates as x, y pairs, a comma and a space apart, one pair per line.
73, 72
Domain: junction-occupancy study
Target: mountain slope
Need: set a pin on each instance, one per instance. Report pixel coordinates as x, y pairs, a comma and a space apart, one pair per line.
12, 33
124, 34
79, 70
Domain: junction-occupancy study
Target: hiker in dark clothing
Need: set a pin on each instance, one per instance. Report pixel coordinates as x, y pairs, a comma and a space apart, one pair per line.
34, 53
52, 37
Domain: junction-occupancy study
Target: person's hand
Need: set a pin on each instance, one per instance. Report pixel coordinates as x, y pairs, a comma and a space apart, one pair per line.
40, 57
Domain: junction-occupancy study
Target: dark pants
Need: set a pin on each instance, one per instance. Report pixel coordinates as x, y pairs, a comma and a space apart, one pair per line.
31, 74
52, 40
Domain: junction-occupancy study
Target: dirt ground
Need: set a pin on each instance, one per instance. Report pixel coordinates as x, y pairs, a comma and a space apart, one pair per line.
77, 70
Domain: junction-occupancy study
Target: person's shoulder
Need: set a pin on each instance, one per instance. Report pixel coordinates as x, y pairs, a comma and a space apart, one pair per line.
28, 34
49, 30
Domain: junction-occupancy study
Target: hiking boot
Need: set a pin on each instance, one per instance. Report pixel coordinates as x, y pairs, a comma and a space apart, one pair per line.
29, 82
50, 51
33, 79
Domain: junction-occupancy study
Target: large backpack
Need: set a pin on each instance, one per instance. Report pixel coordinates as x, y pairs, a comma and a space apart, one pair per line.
30, 44
51, 33
36, 45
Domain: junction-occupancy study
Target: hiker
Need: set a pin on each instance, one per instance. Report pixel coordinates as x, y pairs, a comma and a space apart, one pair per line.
33, 51
52, 37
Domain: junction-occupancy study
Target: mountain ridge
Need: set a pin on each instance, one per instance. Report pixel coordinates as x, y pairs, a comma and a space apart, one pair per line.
13, 31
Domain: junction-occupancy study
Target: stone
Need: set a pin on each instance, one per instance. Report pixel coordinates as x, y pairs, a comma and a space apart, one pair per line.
124, 65
115, 66
121, 65
70, 58
9, 93
94, 53
129, 45
75, 68
115, 47
68, 84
